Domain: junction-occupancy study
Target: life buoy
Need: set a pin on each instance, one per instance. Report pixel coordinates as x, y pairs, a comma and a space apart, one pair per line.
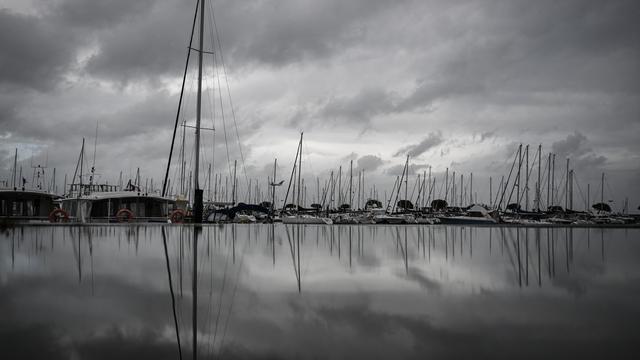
177, 216
124, 215
58, 215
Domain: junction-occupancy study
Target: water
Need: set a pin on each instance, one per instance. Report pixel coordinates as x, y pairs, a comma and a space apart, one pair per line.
338, 292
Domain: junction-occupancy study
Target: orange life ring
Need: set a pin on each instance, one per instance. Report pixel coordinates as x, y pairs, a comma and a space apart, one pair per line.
124, 215
58, 215
177, 216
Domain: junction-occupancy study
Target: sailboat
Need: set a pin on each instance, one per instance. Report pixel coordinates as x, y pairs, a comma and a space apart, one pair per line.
297, 217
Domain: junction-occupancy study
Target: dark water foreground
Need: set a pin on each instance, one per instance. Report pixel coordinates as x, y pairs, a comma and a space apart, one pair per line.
264, 291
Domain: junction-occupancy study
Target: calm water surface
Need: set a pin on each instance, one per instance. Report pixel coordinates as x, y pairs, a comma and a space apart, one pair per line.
340, 292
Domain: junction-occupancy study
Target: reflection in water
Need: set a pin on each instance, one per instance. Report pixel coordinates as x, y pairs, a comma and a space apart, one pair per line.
355, 291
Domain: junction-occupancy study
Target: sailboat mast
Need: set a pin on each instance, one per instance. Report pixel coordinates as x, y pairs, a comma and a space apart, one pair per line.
538, 192
197, 206
273, 186
300, 170
350, 183
406, 185
15, 168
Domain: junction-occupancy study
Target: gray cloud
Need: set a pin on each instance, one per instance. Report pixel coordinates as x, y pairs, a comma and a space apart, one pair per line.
575, 147
97, 14
36, 53
369, 163
531, 70
361, 108
432, 140
396, 170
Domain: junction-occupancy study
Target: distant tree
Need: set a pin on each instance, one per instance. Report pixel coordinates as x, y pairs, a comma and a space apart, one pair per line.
439, 204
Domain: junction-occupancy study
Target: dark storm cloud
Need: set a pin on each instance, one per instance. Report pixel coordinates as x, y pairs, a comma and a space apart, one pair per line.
97, 14
432, 140
35, 53
153, 45
506, 71
575, 146
360, 108
279, 33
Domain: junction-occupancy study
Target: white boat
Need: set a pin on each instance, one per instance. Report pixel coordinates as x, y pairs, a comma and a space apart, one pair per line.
306, 219
244, 219
394, 219
476, 214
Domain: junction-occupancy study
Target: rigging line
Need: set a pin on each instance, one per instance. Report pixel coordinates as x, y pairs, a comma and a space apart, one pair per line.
293, 256
224, 70
219, 311
173, 298
212, 103
224, 124
528, 173
233, 295
504, 189
295, 162
575, 179
175, 127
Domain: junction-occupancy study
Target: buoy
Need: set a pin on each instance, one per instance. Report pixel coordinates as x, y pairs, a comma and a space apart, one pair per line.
58, 215
124, 215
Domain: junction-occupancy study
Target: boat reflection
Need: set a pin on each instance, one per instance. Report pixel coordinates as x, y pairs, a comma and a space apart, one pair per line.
405, 291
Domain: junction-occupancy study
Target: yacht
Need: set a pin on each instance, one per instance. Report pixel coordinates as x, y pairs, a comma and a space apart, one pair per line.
476, 214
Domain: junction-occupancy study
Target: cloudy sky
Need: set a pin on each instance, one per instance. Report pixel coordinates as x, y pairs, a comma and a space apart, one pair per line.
455, 84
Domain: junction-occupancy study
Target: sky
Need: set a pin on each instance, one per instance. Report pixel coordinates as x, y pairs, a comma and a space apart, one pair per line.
453, 84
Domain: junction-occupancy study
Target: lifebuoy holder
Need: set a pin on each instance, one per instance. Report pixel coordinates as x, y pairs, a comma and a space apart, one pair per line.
177, 216
124, 215
58, 215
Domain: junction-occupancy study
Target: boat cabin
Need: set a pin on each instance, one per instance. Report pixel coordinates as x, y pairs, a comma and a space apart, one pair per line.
26, 204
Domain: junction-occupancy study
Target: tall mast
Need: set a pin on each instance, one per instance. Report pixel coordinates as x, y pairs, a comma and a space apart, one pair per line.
208, 183
406, 185
15, 168
518, 183
359, 189
233, 183
273, 194
350, 183
490, 190
197, 205
446, 184
430, 188
539, 179
461, 190
300, 170
566, 187
471, 190
81, 162
602, 189
340, 186
553, 180
453, 189
549, 181
93, 165
526, 184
